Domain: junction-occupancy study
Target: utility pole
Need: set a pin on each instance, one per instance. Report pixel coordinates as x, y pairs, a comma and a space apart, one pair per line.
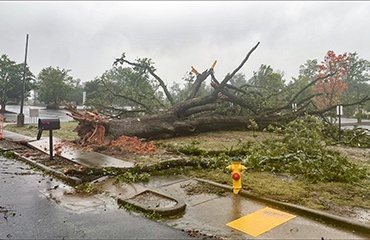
340, 113
358, 104
20, 117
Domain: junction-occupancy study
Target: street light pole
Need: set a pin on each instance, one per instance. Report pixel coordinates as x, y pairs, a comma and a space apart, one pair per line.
340, 113
20, 117
358, 104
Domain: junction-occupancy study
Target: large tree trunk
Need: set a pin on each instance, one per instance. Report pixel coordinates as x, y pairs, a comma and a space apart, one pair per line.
2, 104
167, 125
95, 129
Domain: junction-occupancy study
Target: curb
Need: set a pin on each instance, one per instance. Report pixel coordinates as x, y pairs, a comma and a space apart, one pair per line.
72, 180
350, 225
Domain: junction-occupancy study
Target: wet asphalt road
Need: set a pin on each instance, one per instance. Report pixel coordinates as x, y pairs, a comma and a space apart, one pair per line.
26, 211
43, 113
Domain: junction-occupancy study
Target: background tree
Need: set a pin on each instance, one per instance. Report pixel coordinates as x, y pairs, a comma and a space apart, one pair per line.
76, 93
53, 85
239, 80
122, 92
97, 95
357, 78
266, 88
11, 81
331, 88
309, 70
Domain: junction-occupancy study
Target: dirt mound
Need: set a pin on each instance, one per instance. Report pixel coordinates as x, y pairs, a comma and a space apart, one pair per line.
133, 144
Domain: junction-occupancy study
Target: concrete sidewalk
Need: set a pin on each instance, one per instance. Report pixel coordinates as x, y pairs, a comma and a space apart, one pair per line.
208, 213
15, 137
88, 159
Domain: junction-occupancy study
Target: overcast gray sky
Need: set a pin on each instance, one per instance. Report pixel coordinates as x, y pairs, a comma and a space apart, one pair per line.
86, 37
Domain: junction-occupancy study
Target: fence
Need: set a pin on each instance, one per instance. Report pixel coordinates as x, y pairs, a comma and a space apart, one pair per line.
34, 114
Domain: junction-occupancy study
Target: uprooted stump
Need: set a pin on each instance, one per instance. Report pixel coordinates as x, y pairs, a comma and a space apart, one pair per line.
91, 127
92, 131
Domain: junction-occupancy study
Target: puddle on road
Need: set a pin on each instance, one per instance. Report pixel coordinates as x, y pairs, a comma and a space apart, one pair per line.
122, 189
66, 196
16, 172
79, 202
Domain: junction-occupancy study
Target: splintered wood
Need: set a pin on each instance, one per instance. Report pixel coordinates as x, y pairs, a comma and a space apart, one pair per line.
91, 130
91, 127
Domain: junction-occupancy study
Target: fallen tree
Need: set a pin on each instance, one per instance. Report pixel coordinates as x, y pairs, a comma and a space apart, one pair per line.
195, 114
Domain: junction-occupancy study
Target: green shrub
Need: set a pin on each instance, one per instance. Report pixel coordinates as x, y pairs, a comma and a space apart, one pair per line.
302, 152
299, 148
132, 177
362, 115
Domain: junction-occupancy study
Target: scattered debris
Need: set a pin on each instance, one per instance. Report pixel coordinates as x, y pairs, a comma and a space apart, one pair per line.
7, 211
133, 144
64, 146
199, 234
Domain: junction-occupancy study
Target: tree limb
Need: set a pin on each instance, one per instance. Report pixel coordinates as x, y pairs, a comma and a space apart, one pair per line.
161, 83
229, 76
198, 82
190, 103
365, 99
234, 99
126, 97
309, 85
288, 105
199, 109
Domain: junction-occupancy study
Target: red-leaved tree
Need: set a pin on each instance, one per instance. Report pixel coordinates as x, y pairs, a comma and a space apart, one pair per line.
331, 88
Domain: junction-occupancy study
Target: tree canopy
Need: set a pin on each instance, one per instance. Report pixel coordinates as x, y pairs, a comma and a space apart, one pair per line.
11, 81
331, 88
53, 86
124, 91
133, 88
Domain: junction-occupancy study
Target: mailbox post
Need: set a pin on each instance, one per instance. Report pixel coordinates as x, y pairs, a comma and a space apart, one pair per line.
48, 124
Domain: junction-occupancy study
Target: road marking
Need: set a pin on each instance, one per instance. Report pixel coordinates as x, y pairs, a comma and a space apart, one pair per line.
260, 221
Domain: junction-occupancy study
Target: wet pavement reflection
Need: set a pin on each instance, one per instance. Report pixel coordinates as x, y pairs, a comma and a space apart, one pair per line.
33, 205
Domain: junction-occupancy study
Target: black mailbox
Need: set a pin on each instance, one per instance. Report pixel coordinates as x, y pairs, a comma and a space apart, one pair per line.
49, 124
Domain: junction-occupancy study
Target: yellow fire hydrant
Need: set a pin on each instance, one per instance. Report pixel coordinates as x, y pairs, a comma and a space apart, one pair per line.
236, 167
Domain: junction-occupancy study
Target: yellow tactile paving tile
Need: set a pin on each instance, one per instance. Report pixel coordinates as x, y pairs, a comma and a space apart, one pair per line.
260, 221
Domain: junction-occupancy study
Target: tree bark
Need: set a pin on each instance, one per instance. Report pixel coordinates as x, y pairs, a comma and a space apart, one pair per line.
2, 104
166, 125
